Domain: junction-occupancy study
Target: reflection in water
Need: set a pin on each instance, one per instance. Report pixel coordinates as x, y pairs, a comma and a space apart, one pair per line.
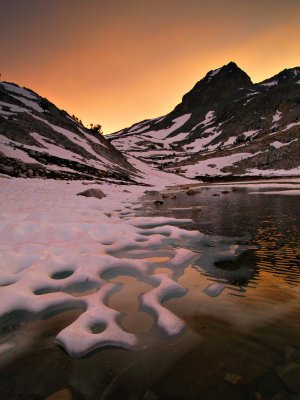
269, 225
279, 249
126, 300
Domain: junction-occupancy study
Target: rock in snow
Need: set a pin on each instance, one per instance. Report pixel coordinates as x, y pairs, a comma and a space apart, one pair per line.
92, 193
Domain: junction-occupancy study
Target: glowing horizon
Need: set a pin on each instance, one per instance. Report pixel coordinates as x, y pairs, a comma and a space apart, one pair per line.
118, 62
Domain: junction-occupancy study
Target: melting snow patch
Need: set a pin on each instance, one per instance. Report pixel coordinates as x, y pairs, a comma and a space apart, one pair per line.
213, 73
277, 116
214, 166
278, 145
55, 244
9, 151
176, 124
201, 143
269, 84
230, 141
292, 125
274, 172
29, 103
250, 133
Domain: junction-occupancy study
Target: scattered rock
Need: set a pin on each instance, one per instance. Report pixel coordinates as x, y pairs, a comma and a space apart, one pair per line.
151, 192
6, 169
63, 394
158, 202
196, 209
216, 194
290, 375
233, 378
92, 193
30, 173
165, 196
173, 196
191, 192
225, 191
126, 191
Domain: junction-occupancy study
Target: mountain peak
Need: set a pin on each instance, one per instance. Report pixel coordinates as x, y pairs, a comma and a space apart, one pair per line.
217, 85
231, 67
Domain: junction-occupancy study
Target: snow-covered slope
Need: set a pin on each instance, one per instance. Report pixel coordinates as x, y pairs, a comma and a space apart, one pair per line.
39, 140
224, 125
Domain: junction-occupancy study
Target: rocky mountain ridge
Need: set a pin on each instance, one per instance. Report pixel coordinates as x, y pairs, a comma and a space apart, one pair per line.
39, 140
225, 125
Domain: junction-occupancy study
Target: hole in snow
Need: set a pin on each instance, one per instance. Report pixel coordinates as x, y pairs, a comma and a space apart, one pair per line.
62, 274
45, 290
112, 273
141, 239
78, 289
98, 327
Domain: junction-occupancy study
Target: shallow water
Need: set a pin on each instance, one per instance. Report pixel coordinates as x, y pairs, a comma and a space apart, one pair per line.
241, 310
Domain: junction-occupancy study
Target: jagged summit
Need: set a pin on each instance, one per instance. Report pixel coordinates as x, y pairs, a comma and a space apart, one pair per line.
217, 86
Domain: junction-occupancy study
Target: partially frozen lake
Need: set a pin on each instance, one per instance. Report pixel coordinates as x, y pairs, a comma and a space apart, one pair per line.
197, 297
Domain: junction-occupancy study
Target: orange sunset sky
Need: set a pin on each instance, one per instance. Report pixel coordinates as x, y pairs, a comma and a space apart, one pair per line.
116, 62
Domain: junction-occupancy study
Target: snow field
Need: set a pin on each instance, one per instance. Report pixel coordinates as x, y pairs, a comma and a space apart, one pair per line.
58, 251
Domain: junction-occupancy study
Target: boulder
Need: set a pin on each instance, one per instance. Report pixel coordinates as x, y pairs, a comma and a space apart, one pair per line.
92, 193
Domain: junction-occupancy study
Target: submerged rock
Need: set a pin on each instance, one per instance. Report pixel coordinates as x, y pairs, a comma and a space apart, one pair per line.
232, 378
191, 192
92, 193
